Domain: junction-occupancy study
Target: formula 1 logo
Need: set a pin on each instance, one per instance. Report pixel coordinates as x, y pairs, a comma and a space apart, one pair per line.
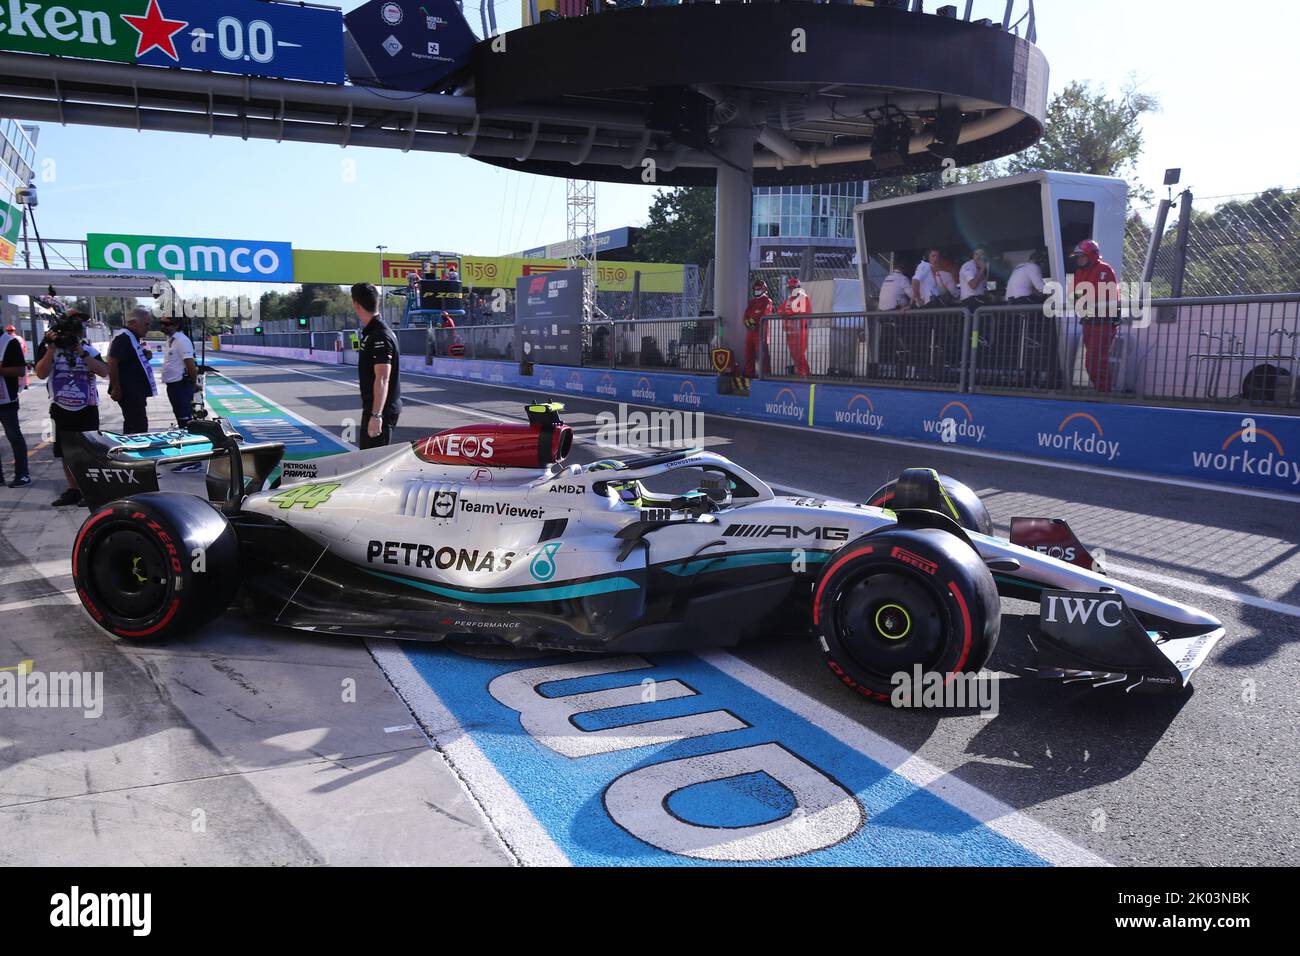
543, 566
537, 285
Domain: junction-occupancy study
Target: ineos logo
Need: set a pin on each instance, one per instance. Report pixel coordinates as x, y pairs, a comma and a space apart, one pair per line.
1056, 551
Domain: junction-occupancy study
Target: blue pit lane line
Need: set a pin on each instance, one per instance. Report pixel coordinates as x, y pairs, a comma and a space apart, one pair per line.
708, 769
259, 418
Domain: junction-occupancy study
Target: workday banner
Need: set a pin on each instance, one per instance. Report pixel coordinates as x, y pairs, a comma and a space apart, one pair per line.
1236, 448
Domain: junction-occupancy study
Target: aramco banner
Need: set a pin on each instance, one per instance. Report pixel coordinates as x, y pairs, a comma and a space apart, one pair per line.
229, 260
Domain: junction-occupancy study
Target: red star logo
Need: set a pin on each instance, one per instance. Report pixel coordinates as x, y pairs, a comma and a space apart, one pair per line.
156, 31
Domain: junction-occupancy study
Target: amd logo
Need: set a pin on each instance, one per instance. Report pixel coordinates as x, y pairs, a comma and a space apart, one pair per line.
566, 489
123, 476
1108, 612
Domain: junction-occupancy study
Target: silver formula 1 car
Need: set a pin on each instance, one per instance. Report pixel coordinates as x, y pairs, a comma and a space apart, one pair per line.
482, 534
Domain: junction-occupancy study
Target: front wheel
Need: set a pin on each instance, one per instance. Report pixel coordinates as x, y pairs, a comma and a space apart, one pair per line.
899, 599
155, 566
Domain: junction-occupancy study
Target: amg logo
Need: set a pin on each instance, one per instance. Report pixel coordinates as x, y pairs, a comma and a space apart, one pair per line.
1080, 610
915, 560
124, 476
785, 531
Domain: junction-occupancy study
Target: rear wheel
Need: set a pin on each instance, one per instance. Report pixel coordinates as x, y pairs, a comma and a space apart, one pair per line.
957, 502
902, 598
152, 567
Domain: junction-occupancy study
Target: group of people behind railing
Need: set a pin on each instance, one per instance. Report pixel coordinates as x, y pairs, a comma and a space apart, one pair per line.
936, 289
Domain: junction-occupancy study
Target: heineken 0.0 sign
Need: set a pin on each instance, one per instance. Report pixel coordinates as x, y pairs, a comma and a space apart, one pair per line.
250, 37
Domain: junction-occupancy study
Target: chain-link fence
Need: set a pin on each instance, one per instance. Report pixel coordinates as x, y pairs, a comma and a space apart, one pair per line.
1223, 245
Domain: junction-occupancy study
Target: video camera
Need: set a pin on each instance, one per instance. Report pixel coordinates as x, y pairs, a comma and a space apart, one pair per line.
68, 325
69, 331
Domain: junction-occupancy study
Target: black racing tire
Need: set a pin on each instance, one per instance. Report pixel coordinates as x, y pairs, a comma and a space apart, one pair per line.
971, 512
155, 566
892, 600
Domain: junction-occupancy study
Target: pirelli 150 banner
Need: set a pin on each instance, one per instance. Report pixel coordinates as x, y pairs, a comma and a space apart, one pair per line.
249, 37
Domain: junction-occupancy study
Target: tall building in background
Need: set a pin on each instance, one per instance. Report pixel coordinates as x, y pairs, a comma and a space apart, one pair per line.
789, 219
17, 165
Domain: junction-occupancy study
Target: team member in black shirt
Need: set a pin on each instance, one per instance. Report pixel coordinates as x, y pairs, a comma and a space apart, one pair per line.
131, 381
378, 367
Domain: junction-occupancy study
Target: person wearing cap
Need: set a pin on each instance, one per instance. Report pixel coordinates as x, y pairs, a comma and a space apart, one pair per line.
13, 370
760, 307
1096, 303
796, 330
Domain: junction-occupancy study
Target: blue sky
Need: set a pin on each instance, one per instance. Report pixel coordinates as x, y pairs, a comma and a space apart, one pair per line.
1219, 71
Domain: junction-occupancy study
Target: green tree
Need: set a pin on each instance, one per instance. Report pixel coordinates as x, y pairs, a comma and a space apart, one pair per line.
1087, 131
680, 226
894, 186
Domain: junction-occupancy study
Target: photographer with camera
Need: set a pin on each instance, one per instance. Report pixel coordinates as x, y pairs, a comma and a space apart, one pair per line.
13, 369
68, 366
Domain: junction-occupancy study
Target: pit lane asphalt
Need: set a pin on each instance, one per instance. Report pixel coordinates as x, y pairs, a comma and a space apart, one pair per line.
1210, 778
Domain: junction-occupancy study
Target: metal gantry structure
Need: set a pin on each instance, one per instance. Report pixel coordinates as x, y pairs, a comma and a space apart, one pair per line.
581, 241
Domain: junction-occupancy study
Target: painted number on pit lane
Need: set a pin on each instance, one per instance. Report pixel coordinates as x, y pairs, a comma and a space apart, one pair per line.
668, 760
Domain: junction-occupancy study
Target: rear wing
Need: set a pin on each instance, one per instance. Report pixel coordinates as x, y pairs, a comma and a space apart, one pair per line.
107, 467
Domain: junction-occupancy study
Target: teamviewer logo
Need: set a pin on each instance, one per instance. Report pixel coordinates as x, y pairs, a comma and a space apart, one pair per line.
444, 504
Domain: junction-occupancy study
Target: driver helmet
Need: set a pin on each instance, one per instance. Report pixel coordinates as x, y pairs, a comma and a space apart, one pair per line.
760, 287
792, 282
629, 492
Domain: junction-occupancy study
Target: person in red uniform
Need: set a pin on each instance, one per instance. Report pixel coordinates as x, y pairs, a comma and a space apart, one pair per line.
1096, 297
759, 308
796, 330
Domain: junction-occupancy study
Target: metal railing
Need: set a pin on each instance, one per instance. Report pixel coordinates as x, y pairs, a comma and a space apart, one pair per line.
683, 344
1219, 352
921, 347
1211, 352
